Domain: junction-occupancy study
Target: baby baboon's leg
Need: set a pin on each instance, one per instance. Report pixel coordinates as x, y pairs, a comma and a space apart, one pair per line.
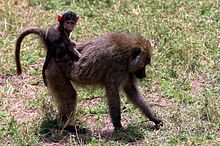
135, 97
112, 93
64, 92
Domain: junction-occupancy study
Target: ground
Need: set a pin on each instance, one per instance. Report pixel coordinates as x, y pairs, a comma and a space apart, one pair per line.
182, 86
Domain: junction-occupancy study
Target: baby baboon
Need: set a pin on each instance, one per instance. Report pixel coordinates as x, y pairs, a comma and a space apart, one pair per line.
56, 40
113, 61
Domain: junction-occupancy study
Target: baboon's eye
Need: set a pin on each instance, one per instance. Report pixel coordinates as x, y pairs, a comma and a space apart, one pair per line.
135, 52
70, 22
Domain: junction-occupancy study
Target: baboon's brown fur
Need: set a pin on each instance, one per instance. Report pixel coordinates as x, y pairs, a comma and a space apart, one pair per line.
114, 61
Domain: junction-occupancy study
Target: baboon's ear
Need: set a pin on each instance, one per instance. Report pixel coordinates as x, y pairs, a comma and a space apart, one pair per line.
135, 52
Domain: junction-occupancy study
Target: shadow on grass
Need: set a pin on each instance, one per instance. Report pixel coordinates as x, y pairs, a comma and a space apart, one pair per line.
50, 132
126, 135
130, 134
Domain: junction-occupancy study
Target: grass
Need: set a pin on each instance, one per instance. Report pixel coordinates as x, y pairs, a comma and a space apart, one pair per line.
183, 86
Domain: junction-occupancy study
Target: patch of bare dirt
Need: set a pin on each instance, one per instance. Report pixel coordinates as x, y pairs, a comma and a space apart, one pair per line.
18, 93
197, 85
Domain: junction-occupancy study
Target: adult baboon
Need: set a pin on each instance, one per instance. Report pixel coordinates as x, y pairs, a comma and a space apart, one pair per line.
114, 61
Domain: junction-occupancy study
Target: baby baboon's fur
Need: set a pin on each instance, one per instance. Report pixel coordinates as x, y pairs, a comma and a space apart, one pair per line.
56, 41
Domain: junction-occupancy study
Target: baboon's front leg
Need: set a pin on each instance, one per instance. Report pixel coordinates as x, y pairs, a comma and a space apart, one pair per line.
135, 97
112, 94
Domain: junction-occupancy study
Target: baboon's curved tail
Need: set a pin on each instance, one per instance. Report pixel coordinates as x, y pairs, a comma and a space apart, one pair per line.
33, 30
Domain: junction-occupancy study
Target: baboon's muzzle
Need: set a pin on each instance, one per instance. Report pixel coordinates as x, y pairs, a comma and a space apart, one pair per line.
140, 74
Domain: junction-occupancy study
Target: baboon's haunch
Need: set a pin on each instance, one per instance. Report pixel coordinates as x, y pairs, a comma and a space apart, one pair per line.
55, 39
114, 61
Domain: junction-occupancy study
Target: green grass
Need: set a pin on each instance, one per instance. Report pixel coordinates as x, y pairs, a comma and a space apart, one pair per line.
183, 86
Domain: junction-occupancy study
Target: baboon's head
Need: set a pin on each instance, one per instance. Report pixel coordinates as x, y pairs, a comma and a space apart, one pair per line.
140, 57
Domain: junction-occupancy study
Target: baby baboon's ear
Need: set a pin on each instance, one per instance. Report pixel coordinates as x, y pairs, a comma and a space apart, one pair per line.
135, 52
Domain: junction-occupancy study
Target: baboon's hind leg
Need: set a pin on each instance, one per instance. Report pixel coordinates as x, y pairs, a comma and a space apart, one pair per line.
64, 92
